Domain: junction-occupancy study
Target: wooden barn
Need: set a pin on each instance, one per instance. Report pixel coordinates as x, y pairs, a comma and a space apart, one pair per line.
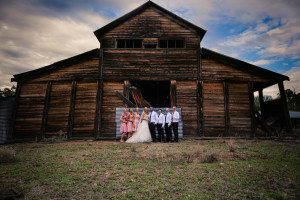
160, 53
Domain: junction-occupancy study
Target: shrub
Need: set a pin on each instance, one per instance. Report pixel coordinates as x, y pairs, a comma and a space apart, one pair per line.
7, 155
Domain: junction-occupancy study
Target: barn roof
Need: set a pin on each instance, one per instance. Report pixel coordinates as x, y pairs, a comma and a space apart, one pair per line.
58, 65
244, 66
140, 9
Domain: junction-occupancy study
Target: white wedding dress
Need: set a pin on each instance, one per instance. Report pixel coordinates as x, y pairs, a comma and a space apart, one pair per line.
142, 133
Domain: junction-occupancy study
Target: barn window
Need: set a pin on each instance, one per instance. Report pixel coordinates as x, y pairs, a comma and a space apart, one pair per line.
150, 46
122, 43
171, 44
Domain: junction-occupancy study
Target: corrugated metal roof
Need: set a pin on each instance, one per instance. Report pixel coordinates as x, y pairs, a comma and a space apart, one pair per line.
294, 114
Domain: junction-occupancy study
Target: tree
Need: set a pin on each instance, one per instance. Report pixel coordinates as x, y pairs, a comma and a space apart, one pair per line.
6, 92
293, 99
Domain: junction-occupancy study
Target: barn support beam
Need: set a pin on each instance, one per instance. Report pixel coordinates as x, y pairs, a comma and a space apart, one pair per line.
46, 108
173, 93
11, 134
71, 110
98, 108
200, 108
252, 109
286, 113
261, 101
226, 108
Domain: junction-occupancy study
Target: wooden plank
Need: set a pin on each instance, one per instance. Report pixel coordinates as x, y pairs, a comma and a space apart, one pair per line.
186, 94
252, 111
45, 112
213, 109
289, 127
126, 91
71, 110
173, 93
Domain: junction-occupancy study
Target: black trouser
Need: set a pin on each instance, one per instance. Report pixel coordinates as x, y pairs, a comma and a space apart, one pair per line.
152, 131
168, 133
175, 131
161, 137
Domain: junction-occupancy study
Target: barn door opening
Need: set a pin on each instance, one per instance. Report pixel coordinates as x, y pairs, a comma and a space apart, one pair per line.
157, 93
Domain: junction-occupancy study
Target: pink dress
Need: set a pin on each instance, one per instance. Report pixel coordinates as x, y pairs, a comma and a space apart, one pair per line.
136, 122
123, 127
129, 124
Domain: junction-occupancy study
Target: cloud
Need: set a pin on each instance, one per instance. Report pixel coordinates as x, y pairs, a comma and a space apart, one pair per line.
262, 62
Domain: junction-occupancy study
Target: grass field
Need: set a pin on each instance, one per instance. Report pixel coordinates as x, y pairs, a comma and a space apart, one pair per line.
191, 169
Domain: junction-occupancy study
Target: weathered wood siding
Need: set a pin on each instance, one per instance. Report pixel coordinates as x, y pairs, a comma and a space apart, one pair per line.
146, 64
151, 23
214, 70
108, 109
150, 64
213, 109
30, 110
186, 93
85, 109
87, 70
239, 110
58, 108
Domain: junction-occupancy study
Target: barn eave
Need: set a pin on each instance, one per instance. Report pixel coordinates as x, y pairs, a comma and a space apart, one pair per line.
98, 33
55, 66
244, 66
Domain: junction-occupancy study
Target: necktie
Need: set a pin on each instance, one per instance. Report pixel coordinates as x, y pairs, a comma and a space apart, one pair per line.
150, 115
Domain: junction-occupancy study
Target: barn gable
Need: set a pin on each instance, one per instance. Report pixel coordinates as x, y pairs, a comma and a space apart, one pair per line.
127, 17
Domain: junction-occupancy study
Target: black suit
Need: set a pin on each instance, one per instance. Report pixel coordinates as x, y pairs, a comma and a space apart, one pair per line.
152, 131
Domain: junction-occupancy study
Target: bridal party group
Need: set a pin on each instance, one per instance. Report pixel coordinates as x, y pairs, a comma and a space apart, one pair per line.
142, 128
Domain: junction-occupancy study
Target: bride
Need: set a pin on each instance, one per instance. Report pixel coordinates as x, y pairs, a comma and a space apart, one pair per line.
142, 133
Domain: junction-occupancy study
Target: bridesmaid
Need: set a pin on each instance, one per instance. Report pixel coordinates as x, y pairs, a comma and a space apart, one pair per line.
136, 118
123, 128
130, 123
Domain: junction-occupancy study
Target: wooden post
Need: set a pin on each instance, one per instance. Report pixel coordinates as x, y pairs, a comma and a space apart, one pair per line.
126, 91
173, 93
45, 111
72, 109
261, 101
98, 109
252, 111
286, 113
200, 108
11, 133
226, 108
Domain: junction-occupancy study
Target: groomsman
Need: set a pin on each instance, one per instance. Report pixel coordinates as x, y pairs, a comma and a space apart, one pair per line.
168, 125
152, 123
175, 120
160, 126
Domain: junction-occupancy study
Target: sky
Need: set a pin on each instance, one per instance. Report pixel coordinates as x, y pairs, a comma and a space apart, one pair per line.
36, 33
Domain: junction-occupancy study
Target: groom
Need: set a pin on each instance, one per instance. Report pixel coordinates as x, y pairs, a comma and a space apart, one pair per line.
152, 123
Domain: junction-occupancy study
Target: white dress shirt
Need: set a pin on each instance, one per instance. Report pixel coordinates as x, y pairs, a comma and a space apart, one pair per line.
169, 118
161, 119
175, 117
153, 117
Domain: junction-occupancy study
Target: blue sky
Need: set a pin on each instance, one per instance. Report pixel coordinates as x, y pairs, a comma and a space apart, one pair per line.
36, 33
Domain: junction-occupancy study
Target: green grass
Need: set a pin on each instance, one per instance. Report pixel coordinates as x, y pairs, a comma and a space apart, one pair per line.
111, 170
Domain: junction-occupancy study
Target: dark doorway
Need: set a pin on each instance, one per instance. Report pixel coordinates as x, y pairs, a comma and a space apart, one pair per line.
157, 93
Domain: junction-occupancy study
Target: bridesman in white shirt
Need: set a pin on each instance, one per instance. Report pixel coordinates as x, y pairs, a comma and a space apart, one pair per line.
152, 123
168, 120
160, 124
175, 120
